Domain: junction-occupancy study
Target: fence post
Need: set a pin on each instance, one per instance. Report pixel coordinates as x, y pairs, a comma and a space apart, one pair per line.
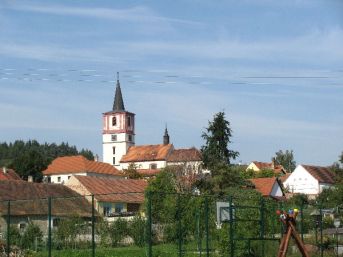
179, 227
8, 228
149, 224
231, 223
302, 220
49, 226
262, 223
321, 231
93, 227
206, 227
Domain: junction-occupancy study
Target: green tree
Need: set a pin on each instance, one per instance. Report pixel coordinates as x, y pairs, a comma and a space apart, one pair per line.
118, 230
131, 172
217, 139
341, 158
286, 159
137, 230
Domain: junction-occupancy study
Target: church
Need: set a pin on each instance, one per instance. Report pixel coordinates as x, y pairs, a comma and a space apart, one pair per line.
119, 147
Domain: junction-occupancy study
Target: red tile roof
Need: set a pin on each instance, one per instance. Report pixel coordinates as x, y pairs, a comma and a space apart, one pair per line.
264, 185
28, 198
143, 153
115, 190
8, 174
78, 164
185, 155
322, 174
269, 165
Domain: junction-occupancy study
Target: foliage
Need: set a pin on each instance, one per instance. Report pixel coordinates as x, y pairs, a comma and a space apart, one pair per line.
118, 230
68, 230
32, 235
286, 159
217, 139
102, 230
131, 172
298, 200
15, 236
341, 158
30, 158
338, 171
137, 230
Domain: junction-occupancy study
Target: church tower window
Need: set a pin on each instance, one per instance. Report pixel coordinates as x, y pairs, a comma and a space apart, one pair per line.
128, 121
114, 121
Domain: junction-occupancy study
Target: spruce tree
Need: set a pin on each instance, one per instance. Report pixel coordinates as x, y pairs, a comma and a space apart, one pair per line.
217, 139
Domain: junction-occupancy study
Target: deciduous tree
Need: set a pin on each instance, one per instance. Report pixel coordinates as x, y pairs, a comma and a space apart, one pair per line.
286, 159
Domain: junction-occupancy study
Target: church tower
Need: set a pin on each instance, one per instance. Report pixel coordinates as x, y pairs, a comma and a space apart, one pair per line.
118, 130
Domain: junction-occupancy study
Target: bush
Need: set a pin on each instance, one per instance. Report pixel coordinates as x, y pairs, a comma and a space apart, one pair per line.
137, 230
15, 237
31, 237
118, 230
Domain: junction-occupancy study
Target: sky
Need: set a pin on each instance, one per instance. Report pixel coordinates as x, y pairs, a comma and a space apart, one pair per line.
274, 67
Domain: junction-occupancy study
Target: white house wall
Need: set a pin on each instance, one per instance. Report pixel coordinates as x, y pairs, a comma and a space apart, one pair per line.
144, 165
276, 190
301, 181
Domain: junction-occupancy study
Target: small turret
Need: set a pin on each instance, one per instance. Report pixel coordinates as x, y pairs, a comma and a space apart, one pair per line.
166, 137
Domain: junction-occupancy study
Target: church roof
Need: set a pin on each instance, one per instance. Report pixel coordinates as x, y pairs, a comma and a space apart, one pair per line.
185, 155
79, 164
143, 153
118, 104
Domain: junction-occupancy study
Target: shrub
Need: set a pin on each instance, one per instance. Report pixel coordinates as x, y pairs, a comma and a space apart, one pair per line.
32, 236
118, 230
137, 230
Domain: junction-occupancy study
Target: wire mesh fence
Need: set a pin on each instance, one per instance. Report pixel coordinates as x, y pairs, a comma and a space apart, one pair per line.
161, 224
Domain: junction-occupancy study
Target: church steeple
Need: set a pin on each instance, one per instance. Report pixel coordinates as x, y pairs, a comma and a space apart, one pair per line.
118, 104
166, 137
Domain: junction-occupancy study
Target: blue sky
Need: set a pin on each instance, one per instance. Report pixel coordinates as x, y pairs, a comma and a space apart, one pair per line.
274, 67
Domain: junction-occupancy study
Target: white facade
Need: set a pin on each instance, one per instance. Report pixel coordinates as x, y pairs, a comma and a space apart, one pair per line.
118, 136
63, 178
276, 190
302, 182
145, 165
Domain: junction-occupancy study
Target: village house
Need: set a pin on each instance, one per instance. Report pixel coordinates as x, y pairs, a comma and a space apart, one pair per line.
309, 180
8, 174
113, 197
259, 166
29, 203
269, 187
62, 168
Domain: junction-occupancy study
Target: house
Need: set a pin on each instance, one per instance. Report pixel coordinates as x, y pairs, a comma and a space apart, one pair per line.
268, 187
62, 168
119, 149
8, 174
309, 180
29, 203
258, 166
113, 197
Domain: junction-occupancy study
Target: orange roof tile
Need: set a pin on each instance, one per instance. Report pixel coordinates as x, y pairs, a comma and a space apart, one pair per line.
115, 190
148, 172
185, 155
264, 185
143, 153
8, 174
322, 174
77, 164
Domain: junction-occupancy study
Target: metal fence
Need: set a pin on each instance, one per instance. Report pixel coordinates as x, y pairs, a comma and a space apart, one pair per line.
166, 224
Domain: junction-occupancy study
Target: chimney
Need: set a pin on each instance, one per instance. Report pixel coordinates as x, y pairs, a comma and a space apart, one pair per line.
30, 179
4, 170
273, 163
96, 158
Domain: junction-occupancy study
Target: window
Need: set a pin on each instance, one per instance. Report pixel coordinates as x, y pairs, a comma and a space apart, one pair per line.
119, 207
114, 160
69, 177
22, 226
55, 222
107, 210
58, 179
114, 150
114, 137
130, 138
153, 166
129, 121
114, 121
